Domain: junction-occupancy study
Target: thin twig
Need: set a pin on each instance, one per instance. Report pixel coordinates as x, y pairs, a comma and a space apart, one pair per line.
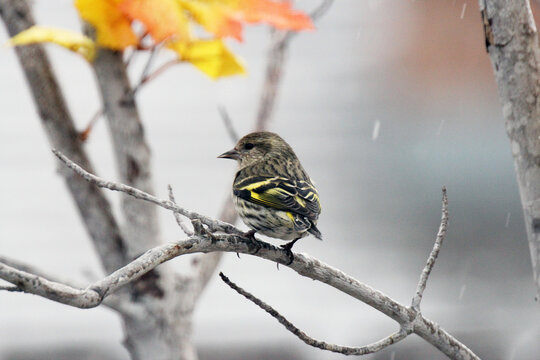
146, 69
434, 253
144, 80
177, 216
321, 10
135, 49
213, 225
154, 74
83, 135
130, 57
315, 15
345, 350
11, 289
228, 123
274, 72
274, 69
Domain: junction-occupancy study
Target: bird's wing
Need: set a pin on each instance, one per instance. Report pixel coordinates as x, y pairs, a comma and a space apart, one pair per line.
297, 196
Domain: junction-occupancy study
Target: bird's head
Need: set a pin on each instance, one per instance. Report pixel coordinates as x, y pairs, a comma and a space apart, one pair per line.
256, 146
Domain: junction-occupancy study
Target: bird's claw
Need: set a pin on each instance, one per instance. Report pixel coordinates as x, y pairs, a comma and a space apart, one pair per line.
288, 248
251, 236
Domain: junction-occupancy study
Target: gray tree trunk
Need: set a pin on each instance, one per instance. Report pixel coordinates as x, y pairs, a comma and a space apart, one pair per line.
512, 44
157, 309
156, 316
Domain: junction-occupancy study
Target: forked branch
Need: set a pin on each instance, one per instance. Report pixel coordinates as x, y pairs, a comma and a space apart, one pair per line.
213, 235
406, 327
433, 255
345, 350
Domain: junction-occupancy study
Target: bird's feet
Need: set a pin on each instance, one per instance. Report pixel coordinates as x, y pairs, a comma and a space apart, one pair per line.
251, 236
288, 248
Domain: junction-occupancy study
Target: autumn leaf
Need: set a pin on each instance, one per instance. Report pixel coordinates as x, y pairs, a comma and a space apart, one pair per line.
215, 18
209, 56
169, 21
220, 14
276, 13
71, 40
113, 28
163, 19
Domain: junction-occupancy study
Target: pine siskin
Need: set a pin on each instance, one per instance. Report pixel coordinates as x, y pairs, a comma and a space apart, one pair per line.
272, 192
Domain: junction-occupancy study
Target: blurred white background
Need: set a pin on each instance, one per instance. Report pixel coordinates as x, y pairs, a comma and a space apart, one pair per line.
417, 68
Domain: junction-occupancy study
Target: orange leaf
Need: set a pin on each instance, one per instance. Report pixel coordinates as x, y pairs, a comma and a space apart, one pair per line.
215, 17
278, 14
113, 29
163, 19
225, 17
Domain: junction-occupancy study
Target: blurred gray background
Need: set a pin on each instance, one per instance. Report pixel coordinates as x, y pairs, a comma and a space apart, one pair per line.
419, 69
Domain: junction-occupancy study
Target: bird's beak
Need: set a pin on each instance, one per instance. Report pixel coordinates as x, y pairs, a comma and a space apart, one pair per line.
231, 154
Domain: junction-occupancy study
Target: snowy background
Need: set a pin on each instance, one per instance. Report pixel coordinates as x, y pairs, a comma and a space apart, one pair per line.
417, 70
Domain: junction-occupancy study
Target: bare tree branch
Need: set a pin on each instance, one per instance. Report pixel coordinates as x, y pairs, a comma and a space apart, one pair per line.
280, 41
433, 255
345, 350
94, 209
228, 124
512, 43
321, 10
93, 295
303, 264
205, 265
113, 301
132, 154
157, 72
10, 289
177, 216
83, 135
131, 150
406, 327
213, 225
146, 70
211, 239
274, 72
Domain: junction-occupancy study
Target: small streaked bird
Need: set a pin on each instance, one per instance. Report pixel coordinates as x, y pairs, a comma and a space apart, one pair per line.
272, 192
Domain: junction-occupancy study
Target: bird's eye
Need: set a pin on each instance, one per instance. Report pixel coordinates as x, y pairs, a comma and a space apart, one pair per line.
248, 146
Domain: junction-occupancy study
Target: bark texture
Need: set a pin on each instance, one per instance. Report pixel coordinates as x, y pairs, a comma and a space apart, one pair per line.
162, 329
131, 149
93, 207
158, 323
157, 308
512, 43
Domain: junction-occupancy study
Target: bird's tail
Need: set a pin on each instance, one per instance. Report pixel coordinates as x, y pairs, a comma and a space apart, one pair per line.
315, 232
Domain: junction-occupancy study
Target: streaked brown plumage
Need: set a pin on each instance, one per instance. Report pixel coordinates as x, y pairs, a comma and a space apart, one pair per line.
272, 192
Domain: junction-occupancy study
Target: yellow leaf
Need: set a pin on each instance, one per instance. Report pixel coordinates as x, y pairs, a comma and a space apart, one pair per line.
215, 18
71, 40
209, 56
113, 28
163, 19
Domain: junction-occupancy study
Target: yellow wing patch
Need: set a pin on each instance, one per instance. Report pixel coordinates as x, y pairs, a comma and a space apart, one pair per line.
300, 201
296, 197
290, 216
257, 184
